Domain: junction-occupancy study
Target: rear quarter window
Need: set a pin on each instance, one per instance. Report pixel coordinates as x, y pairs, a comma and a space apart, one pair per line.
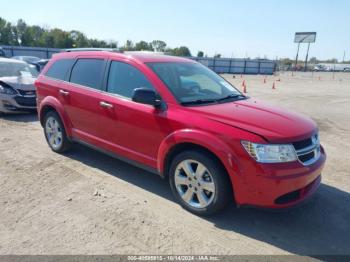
59, 69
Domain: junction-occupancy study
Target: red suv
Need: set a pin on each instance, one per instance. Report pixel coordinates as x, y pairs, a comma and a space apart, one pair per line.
175, 117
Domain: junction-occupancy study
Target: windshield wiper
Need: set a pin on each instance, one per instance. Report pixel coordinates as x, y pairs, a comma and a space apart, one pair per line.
199, 101
207, 101
231, 97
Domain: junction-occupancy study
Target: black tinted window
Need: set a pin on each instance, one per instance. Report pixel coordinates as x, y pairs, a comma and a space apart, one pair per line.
124, 78
88, 72
59, 69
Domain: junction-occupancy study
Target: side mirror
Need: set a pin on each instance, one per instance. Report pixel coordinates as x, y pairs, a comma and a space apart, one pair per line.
146, 96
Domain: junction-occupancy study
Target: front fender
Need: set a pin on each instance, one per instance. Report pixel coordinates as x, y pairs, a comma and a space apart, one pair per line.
200, 138
55, 104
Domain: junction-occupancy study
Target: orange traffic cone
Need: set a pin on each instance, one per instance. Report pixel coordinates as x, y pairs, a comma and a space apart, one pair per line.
244, 87
273, 85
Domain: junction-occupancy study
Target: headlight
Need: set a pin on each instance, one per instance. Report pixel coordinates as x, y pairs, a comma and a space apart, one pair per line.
264, 153
7, 90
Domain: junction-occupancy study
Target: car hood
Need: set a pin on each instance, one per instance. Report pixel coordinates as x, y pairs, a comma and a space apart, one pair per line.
19, 82
275, 124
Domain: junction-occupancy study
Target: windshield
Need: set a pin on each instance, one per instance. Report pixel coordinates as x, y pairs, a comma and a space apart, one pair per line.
193, 83
17, 69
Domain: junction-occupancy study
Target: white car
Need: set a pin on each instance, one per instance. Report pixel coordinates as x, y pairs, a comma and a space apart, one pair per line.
17, 90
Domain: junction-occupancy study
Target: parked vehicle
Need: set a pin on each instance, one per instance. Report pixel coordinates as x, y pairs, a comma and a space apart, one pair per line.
175, 117
320, 68
17, 90
33, 60
27, 59
41, 64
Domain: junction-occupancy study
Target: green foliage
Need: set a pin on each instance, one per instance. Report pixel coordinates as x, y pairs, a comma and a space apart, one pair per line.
200, 54
180, 51
158, 45
217, 55
313, 60
27, 35
143, 46
333, 61
286, 61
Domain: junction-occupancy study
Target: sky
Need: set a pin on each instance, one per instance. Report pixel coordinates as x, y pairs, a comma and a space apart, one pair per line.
245, 28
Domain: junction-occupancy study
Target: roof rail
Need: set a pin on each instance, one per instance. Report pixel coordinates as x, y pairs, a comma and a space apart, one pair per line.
91, 49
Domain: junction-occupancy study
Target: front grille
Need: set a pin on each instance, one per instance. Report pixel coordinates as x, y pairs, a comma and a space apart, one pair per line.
26, 101
308, 150
27, 92
306, 157
302, 144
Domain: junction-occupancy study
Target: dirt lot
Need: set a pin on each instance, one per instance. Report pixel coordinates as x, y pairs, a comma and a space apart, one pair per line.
88, 203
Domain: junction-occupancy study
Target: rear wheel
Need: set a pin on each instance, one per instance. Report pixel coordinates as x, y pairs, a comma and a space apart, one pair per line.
55, 133
199, 183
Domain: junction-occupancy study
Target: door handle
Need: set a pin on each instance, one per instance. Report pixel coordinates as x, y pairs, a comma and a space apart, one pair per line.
64, 93
106, 105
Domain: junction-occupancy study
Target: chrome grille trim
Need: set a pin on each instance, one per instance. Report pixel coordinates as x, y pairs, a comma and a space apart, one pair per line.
314, 148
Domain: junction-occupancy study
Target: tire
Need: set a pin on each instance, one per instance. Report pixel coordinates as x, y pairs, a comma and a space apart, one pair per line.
211, 189
56, 136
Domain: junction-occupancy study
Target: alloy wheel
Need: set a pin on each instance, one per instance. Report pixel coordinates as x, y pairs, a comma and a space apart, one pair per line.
194, 183
54, 132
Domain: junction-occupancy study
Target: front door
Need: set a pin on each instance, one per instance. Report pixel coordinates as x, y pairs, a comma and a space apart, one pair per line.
132, 129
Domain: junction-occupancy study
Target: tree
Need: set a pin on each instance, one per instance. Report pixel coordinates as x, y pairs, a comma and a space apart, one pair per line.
79, 39
129, 46
333, 61
6, 33
158, 45
27, 35
200, 54
37, 33
286, 61
20, 32
181, 51
313, 60
217, 55
143, 46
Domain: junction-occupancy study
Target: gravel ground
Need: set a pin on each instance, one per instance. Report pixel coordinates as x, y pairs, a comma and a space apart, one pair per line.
87, 203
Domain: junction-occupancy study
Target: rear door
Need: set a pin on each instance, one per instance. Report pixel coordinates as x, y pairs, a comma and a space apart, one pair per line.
81, 96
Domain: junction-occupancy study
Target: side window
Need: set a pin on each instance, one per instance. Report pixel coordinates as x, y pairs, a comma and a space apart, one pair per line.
59, 69
88, 72
124, 78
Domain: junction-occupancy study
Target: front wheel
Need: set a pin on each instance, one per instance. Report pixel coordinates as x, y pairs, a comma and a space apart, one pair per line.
199, 183
55, 133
